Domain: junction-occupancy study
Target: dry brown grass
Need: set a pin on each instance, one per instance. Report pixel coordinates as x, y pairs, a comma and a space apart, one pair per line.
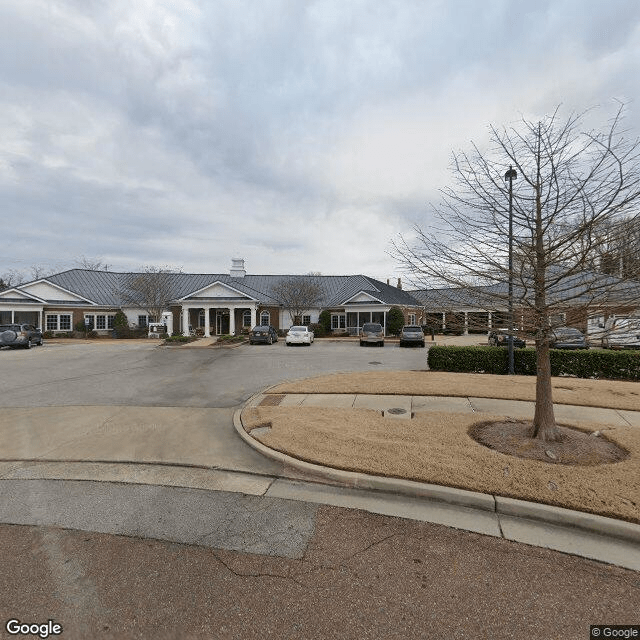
436, 448
579, 391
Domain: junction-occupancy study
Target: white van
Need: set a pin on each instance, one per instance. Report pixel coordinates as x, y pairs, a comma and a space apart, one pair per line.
621, 333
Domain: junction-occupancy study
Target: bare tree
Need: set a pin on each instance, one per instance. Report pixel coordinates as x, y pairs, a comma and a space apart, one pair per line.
619, 252
569, 184
298, 294
11, 278
38, 271
92, 264
150, 290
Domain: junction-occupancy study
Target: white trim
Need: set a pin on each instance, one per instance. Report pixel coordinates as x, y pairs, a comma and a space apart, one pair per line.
362, 292
222, 284
57, 286
22, 293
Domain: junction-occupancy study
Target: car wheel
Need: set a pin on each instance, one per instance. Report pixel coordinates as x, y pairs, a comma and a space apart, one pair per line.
422, 345
270, 340
361, 343
28, 345
382, 344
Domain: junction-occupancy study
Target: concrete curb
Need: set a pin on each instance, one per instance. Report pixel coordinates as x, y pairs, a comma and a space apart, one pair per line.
502, 506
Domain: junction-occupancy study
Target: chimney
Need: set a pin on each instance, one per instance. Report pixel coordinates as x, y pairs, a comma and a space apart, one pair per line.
399, 283
237, 268
387, 280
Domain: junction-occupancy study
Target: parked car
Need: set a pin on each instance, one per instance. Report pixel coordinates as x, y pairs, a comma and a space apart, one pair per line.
19, 335
621, 333
299, 335
568, 338
500, 338
411, 334
372, 332
263, 333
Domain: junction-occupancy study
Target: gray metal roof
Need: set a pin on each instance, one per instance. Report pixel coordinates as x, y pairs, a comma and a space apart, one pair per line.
103, 287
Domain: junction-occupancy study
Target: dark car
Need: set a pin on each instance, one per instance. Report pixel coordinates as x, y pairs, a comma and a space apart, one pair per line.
372, 332
568, 338
411, 334
19, 335
265, 334
500, 338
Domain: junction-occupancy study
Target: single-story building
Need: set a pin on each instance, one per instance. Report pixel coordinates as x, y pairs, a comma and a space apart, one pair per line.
217, 304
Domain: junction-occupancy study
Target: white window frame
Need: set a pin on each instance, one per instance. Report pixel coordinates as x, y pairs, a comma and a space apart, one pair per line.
412, 318
146, 321
264, 314
338, 321
58, 322
306, 320
246, 318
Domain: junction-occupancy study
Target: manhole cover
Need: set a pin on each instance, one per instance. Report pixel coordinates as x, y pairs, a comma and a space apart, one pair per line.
272, 400
396, 411
375, 362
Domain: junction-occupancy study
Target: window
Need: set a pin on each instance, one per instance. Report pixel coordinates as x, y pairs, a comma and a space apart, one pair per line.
142, 321
246, 319
200, 318
110, 318
52, 323
101, 322
306, 320
338, 320
412, 318
265, 318
65, 322
89, 321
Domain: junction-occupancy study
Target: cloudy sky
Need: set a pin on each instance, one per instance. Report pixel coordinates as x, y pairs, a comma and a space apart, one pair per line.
301, 136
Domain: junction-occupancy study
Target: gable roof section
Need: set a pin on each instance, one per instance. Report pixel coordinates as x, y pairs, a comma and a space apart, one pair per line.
214, 288
15, 295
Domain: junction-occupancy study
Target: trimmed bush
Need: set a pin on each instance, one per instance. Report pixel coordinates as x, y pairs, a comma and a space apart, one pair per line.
318, 330
325, 321
395, 321
173, 339
613, 365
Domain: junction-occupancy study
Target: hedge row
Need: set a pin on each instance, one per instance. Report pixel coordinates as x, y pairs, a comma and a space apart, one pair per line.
614, 365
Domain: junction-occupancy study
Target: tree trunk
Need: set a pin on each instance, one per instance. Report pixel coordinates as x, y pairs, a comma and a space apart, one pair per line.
544, 421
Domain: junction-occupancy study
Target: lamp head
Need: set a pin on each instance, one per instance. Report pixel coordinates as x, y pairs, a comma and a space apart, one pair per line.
511, 174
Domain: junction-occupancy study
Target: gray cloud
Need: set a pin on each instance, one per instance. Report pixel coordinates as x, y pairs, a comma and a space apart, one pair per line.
302, 136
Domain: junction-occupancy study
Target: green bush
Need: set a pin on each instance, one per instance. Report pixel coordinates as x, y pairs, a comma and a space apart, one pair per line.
318, 330
324, 320
395, 321
178, 338
48, 335
580, 363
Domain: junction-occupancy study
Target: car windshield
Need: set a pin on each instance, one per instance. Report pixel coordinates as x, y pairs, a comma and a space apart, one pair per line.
260, 328
412, 330
568, 332
298, 329
370, 326
9, 327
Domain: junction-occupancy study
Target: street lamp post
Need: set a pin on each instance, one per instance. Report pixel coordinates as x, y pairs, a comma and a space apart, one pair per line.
511, 175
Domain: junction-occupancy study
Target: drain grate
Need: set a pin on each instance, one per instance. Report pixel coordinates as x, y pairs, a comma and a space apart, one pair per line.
396, 411
375, 362
272, 400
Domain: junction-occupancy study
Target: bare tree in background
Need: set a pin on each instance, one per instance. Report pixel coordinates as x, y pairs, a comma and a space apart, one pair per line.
569, 185
92, 264
151, 290
298, 294
11, 278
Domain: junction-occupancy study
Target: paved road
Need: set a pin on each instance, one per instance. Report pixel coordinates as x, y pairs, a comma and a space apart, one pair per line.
254, 566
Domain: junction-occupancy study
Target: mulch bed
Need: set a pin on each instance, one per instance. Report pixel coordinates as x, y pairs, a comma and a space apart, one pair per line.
575, 447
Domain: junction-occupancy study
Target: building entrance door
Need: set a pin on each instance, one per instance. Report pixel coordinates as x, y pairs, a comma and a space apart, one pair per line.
222, 322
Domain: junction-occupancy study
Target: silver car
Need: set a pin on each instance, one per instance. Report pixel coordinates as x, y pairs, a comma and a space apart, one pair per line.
372, 332
19, 335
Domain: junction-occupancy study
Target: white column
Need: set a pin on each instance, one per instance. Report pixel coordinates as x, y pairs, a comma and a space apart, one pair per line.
358, 320
40, 318
232, 321
185, 320
13, 316
254, 309
489, 323
384, 323
444, 320
466, 323
207, 322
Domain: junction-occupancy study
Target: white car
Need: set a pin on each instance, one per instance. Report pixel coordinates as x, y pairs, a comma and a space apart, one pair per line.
299, 335
622, 333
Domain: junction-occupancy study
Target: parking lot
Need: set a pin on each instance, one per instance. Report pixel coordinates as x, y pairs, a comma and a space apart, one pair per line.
142, 373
